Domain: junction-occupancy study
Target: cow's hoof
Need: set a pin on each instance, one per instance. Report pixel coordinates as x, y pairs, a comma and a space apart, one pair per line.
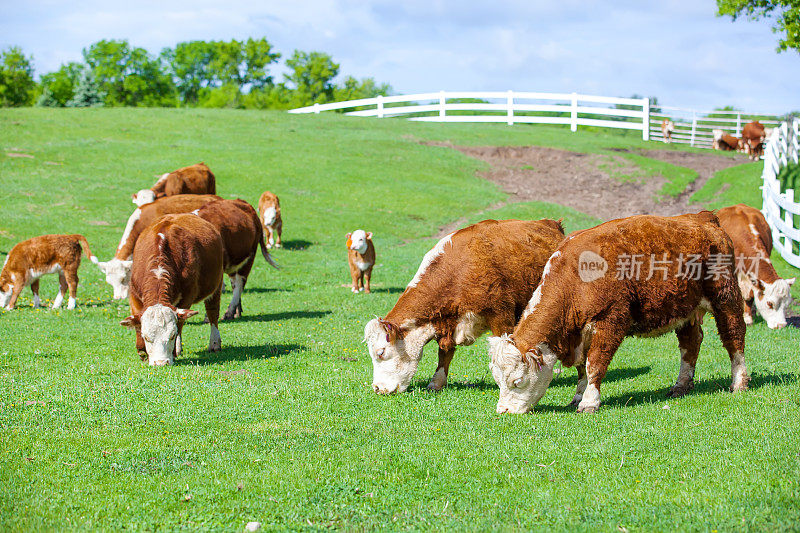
207, 321
354, 290
435, 387
576, 401
589, 409
278, 245
366, 291
142, 355
227, 316
680, 390
217, 346
748, 320
742, 386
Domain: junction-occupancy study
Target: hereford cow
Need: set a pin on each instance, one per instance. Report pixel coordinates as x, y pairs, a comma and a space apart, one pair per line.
177, 262
269, 207
240, 229
643, 276
196, 179
758, 281
361, 256
48, 254
724, 142
477, 279
667, 128
753, 135
118, 269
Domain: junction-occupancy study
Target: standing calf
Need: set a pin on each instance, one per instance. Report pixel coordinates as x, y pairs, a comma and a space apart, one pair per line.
270, 209
642, 276
667, 128
177, 262
361, 256
32, 259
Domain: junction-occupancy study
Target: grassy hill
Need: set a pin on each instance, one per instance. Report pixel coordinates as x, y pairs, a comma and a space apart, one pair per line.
282, 427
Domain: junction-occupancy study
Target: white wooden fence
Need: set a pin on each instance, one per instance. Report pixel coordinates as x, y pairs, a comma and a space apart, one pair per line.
695, 127
780, 208
509, 107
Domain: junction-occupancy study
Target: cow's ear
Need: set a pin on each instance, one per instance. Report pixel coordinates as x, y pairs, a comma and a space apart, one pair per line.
758, 284
369, 235
133, 196
348, 236
183, 314
790, 281
102, 266
392, 331
533, 359
130, 322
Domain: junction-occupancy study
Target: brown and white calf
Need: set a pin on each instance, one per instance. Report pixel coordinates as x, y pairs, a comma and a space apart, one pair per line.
177, 262
48, 254
593, 295
240, 228
758, 281
118, 269
477, 279
361, 257
269, 207
195, 179
753, 135
667, 128
725, 142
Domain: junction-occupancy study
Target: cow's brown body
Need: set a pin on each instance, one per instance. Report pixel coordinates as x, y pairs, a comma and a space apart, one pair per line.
727, 143
477, 279
194, 179
753, 135
48, 254
240, 229
177, 262
581, 320
269, 208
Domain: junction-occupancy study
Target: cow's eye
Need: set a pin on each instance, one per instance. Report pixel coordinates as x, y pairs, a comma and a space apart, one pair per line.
771, 305
379, 352
148, 339
517, 383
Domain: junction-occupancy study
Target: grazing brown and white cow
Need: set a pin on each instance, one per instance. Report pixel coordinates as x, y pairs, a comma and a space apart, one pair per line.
725, 142
477, 279
643, 276
667, 128
195, 179
48, 254
240, 228
269, 207
177, 262
758, 281
361, 257
118, 269
753, 135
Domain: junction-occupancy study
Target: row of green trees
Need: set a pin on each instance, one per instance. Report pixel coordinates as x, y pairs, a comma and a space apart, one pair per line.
234, 73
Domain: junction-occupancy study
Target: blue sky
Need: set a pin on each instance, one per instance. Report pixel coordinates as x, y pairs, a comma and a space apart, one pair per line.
677, 50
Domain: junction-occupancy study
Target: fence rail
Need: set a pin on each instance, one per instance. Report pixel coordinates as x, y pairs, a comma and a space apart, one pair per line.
780, 208
508, 107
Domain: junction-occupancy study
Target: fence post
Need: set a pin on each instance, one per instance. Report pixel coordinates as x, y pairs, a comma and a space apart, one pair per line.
789, 220
510, 104
442, 100
380, 106
738, 124
694, 126
645, 119
573, 125
316, 108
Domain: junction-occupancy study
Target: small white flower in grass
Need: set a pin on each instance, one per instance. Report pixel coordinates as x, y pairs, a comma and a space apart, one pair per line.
253, 526
666, 406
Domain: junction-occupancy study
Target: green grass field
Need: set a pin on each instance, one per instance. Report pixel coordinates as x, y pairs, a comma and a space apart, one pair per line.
281, 426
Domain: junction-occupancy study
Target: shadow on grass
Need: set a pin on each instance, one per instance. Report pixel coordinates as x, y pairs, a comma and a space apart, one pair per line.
263, 290
390, 290
614, 374
793, 321
241, 353
285, 315
296, 244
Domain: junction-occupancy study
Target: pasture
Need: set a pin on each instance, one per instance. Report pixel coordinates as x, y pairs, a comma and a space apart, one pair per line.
282, 426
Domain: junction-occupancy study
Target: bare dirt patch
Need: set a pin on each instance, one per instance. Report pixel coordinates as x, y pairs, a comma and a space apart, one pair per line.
577, 180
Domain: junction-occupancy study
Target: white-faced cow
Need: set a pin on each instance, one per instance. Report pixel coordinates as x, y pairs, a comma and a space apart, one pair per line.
240, 228
477, 279
48, 254
725, 142
177, 262
758, 281
118, 269
753, 135
361, 258
667, 128
643, 276
269, 207
195, 179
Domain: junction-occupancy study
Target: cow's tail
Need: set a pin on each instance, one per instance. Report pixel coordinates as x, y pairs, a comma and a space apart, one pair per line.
86, 250
265, 252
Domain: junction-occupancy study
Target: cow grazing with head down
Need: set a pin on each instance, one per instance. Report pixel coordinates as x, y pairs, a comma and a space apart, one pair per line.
477, 279
758, 281
667, 128
725, 142
668, 273
118, 269
177, 262
240, 229
269, 206
48, 254
753, 135
195, 179
361, 257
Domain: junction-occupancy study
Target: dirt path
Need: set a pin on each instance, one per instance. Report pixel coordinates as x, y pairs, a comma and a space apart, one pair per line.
576, 180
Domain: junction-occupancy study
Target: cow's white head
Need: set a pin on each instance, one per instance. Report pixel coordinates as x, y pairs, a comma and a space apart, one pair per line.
159, 327
118, 275
773, 301
145, 196
395, 354
6, 288
358, 240
523, 378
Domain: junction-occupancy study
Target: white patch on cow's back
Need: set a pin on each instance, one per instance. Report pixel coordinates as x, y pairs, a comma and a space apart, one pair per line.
196, 212
135, 216
469, 327
429, 257
537, 294
162, 178
159, 271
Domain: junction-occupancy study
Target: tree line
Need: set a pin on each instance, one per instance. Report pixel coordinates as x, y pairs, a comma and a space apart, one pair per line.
232, 74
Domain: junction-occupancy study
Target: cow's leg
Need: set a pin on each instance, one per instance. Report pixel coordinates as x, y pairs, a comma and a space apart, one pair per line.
237, 284
72, 283
367, 275
690, 337
354, 275
748, 312
278, 231
37, 303
607, 337
581, 387
141, 349
62, 290
212, 312
731, 331
270, 236
439, 379
15, 292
